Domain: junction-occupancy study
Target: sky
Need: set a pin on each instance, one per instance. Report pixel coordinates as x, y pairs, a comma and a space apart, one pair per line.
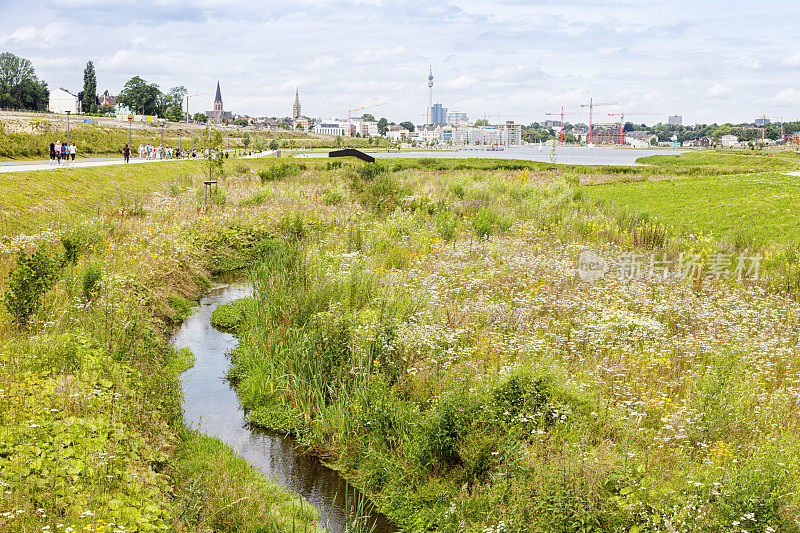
709, 61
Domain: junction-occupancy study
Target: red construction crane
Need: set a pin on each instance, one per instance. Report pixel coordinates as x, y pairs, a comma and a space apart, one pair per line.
591, 105
562, 115
622, 122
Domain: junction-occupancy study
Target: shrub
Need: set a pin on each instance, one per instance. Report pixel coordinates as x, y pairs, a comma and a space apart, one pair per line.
483, 222
28, 280
370, 171
279, 172
446, 224
258, 197
426, 161
91, 276
331, 197
293, 227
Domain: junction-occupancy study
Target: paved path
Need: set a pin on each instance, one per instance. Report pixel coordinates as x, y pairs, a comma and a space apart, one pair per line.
795, 173
27, 166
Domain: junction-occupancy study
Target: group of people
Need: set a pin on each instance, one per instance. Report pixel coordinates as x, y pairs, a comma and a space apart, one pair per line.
151, 151
62, 152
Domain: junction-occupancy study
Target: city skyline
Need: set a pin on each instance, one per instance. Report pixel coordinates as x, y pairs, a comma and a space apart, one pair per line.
519, 61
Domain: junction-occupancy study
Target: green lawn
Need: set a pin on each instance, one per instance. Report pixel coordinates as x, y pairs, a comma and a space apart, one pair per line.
765, 205
31, 199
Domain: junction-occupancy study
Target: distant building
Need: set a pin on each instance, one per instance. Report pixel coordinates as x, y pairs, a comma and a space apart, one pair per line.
639, 139
296, 107
675, 119
455, 118
299, 123
763, 121
705, 142
61, 101
218, 115
396, 133
728, 140
438, 114
605, 136
551, 124
331, 127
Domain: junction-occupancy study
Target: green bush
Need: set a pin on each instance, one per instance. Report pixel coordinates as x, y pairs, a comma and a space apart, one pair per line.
483, 222
331, 197
259, 197
279, 172
28, 280
91, 275
370, 171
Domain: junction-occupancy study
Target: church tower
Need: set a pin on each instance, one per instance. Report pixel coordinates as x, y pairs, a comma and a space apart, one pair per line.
218, 114
296, 107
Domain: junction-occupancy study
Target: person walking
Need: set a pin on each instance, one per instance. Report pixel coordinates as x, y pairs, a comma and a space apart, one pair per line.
52, 153
73, 150
126, 153
64, 152
58, 152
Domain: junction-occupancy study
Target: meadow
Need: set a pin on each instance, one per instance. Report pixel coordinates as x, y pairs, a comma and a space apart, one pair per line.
422, 327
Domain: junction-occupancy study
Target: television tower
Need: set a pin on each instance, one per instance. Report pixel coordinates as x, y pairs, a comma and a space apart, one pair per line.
430, 92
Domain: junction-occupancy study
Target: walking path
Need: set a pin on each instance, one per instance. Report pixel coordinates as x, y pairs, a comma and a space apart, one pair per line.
27, 166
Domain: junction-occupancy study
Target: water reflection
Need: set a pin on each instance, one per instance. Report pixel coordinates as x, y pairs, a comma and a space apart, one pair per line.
210, 405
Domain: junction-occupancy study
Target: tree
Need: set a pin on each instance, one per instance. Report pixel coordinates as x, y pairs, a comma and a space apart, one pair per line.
172, 103
89, 101
367, 117
407, 125
481, 122
722, 130
200, 117
246, 139
19, 86
383, 126
141, 97
240, 122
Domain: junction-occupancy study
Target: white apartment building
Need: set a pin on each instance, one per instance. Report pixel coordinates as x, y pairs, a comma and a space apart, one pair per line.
61, 101
396, 133
332, 127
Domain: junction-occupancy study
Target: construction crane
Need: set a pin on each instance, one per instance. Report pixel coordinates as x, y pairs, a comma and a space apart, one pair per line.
363, 107
187, 103
621, 116
780, 119
497, 115
562, 115
591, 105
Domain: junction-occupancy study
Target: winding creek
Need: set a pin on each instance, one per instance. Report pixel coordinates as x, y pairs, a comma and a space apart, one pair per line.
211, 406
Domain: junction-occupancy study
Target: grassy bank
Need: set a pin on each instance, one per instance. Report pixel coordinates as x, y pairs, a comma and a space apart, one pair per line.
420, 325
427, 334
91, 433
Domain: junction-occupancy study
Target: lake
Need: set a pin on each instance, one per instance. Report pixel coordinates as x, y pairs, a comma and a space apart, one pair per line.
565, 155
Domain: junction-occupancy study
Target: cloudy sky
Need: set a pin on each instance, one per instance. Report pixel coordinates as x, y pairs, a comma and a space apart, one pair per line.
710, 61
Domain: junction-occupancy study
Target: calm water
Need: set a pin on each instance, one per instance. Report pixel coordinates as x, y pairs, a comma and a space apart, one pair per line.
565, 155
211, 406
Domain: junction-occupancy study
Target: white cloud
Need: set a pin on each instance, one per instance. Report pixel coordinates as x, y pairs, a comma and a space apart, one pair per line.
787, 96
792, 60
718, 89
461, 82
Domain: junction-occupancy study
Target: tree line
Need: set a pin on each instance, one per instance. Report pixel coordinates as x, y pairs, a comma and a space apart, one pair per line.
19, 86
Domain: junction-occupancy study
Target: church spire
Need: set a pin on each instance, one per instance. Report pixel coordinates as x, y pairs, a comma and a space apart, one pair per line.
218, 97
296, 108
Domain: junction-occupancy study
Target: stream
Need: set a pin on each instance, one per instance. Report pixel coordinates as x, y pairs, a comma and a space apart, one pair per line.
211, 406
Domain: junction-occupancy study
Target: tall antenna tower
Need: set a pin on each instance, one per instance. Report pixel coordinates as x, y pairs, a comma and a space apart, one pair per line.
430, 92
